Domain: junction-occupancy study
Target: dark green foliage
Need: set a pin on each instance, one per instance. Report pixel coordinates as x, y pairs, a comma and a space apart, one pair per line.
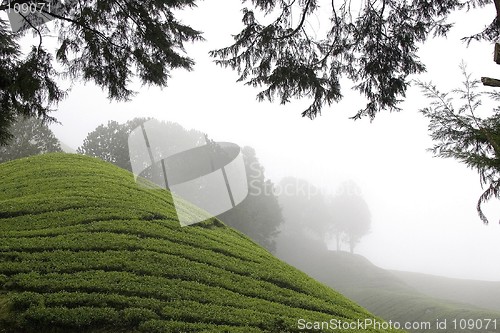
463, 134
259, 215
30, 137
107, 42
374, 45
77, 254
27, 85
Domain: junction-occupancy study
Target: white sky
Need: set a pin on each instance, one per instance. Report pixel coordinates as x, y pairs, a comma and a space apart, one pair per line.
423, 208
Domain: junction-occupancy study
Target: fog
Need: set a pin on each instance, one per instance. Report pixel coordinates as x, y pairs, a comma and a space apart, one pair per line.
422, 208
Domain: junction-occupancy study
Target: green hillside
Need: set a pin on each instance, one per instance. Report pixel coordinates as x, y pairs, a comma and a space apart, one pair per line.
485, 294
84, 249
384, 294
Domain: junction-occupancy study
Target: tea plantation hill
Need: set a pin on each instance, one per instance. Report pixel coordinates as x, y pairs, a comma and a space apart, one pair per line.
84, 249
383, 293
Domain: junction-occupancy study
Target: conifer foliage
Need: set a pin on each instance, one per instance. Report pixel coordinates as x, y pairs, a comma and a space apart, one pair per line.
105, 42
372, 43
465, 133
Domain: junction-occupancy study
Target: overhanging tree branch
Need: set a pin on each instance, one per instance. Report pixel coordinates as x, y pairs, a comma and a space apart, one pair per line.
99, 41
497, 6
301, 23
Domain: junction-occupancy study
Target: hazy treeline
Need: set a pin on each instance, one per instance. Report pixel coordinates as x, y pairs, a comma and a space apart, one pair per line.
289, 216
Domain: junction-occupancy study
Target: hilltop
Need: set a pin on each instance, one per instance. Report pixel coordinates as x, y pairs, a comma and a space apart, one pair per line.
84, 249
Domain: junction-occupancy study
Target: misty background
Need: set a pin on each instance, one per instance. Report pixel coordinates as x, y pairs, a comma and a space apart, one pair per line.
423, 216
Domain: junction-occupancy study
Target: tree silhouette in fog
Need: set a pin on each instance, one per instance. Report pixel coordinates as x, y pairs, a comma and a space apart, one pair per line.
259, 215
312, 217
350, 215
306, 219
30, 136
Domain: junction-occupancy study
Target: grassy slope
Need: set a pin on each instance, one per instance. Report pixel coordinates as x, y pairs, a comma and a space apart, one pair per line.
384, 294
484, 294
82, 248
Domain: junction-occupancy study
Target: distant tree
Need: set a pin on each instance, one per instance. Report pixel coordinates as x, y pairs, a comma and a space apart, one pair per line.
306, 217
110, 142
461, 133
350, 215
304, 207
29, 137
259, 215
